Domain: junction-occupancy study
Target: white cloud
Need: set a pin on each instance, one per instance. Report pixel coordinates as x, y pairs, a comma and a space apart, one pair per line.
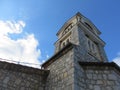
21, 49
117, 59
7, 27
47, 56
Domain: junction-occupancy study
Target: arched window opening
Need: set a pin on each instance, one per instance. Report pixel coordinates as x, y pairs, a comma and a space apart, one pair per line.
92, 48
88, 25
68, 41
63, 44
89, 46
68, 28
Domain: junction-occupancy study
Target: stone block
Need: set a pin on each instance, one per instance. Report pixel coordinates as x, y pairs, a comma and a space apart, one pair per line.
96, 87
112, 77
89, 76
6, 80
100, 82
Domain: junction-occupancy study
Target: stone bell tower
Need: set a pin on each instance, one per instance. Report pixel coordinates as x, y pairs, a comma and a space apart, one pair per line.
81, 32
78, 42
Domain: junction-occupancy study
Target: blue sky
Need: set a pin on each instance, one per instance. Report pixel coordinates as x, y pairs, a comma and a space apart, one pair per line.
39, 21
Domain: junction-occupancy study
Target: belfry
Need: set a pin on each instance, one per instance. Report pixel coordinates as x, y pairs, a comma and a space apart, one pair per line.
81, 32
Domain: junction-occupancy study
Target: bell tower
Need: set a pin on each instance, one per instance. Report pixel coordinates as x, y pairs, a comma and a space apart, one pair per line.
77, 49
82, 33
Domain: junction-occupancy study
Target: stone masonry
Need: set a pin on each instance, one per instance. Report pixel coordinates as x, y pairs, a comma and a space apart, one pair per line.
101, 76
17, 77
61, 76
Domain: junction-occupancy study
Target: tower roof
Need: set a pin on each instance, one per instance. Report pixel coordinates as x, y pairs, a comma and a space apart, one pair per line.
75, 17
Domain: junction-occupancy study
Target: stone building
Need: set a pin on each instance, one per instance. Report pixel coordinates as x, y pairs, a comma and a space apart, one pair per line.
79, 63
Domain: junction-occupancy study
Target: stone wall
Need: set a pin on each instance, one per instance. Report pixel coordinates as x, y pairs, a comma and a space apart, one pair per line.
17, 77
81, 49
61, 76
101, 76
79, 78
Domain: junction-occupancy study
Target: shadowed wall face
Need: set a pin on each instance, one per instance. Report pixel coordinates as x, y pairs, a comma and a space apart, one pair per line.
102, 78
17, 77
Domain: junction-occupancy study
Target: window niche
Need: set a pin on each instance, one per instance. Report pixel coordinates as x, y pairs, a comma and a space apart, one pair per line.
65, 41
68, 28
88, 25
92, 48
68, 40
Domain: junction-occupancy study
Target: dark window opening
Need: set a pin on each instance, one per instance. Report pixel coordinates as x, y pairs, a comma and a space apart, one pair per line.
64, 44
93, 47
88, 25
89, 45
86, 35
68, 40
